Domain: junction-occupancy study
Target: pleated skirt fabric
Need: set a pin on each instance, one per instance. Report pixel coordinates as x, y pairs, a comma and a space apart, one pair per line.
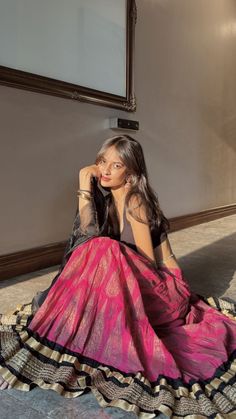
132, 334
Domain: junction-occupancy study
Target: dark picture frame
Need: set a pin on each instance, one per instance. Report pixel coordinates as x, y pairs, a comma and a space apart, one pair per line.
28, 81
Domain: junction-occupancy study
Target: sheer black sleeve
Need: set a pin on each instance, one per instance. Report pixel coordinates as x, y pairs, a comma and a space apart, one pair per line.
93, 223
159, 235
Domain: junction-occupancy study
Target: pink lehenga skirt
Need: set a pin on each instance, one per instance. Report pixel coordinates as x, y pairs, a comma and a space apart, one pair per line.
133, 335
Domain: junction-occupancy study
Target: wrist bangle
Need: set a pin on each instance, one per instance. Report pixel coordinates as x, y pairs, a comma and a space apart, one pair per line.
84, 195
84, 190
162, 261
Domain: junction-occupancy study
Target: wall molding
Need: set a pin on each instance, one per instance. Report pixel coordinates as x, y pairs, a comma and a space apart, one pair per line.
30, 260
189, 220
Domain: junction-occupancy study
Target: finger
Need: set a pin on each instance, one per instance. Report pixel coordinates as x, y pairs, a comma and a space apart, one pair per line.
4, 385
99, 171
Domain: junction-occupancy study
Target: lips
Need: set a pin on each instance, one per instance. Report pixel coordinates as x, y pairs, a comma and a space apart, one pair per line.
105, 178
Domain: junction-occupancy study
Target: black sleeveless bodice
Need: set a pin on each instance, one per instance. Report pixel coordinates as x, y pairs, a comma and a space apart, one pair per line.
158, 234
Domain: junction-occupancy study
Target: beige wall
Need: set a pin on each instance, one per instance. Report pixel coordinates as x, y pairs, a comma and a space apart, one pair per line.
186, 96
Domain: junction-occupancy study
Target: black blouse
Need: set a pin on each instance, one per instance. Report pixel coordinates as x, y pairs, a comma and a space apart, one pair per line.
158, 235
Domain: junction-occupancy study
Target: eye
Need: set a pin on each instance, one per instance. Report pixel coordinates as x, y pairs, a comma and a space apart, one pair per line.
101, 161
117, 166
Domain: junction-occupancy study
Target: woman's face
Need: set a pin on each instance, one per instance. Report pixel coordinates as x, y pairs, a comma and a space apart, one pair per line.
113, 170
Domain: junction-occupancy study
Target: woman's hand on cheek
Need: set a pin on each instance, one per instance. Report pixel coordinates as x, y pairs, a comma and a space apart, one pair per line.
86, 174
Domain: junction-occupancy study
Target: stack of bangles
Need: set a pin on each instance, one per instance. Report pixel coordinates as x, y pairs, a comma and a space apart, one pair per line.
84, 194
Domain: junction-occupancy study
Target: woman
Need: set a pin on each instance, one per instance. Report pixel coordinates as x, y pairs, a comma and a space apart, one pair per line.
119, 319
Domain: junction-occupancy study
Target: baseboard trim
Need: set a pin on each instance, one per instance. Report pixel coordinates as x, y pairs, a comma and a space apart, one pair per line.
30, 260
189, 220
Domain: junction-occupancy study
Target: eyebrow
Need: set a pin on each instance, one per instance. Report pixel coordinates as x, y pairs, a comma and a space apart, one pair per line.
113, 161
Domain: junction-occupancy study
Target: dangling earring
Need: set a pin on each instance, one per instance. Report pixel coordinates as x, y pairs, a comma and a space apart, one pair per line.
127, 182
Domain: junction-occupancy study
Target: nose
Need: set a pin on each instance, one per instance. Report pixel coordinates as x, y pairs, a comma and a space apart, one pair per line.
107, 169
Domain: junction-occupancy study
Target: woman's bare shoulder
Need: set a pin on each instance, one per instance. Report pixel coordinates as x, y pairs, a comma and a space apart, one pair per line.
136, 208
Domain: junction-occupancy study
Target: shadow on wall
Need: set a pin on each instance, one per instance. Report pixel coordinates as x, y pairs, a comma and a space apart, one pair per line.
210, 269
225, 129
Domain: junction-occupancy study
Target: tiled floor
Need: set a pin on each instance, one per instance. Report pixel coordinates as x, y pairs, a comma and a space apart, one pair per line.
207, 256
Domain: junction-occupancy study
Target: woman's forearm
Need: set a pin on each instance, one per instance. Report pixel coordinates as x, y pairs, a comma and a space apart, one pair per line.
84, 184
86, 206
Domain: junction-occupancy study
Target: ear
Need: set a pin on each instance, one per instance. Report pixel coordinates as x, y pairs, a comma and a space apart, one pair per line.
128, 177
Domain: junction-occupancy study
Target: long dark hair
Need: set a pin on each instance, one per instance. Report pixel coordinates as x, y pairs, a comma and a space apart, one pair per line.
131, 154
